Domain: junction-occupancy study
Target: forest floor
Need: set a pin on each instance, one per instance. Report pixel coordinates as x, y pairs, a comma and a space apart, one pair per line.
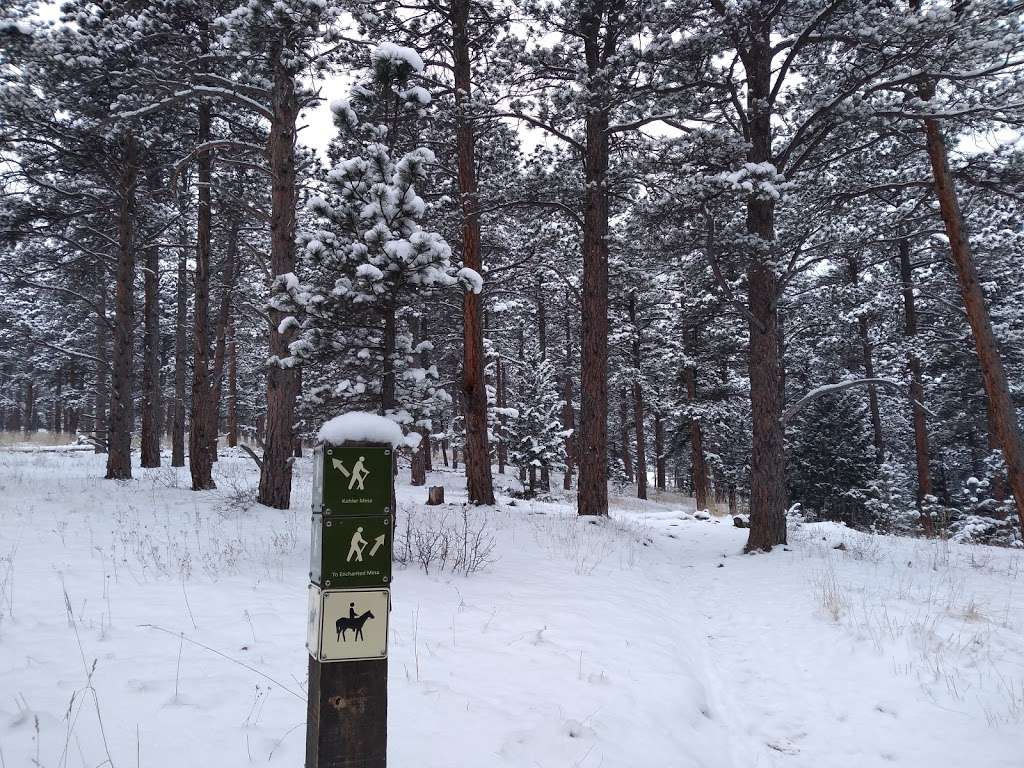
147, 625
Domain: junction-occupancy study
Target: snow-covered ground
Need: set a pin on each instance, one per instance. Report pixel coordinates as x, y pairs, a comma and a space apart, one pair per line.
147, 625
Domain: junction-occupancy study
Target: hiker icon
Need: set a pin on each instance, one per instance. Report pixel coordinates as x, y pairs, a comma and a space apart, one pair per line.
354, 621
356, 476
357, 546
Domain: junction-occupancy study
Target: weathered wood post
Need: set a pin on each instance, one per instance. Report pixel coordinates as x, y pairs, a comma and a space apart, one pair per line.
349, 603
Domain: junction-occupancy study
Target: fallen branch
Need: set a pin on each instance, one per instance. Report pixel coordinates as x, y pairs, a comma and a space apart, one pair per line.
252, 455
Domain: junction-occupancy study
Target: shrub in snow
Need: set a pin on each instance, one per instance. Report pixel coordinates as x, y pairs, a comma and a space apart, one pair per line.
983, 519
889, 500
440, 539
978, 529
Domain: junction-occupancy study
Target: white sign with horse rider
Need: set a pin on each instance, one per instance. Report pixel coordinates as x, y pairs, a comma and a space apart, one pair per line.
348, 624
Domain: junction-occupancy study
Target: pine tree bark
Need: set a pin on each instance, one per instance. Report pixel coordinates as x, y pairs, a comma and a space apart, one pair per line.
998, 484
224, 314
767, 461
180, 357
419, 465
56, 422
232, 385
119, 439
479, 482
641, 441
869, 373
638, 404
387, 389
867, 362
592, 443
30, 401
276, 473
101, 394
152, 406
568, 414
659, 452
569, 425
698, 464
200, 460
921, 449
502, 403
627, 458
997, 389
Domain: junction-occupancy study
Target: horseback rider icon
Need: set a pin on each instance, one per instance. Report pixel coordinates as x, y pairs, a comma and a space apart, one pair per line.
354, 621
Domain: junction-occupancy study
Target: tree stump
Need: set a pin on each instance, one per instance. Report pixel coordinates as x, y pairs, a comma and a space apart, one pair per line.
435, 495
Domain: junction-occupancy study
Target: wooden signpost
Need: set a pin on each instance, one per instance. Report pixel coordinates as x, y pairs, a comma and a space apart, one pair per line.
349, 605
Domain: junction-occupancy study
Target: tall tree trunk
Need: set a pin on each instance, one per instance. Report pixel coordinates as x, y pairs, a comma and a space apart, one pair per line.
502, 404
232, 385
119, 440
641, 441
921, 449
152, 406
30, 401
997, 389
568, 414
569, 425
101, 394
592, 445
698, 464
627, 459
767, 461
659, 452
388, 401
200, 459
869, 372
542, 319
56, 422
419, 466
638, 403
869, 369
216, 378
276, 473
998, 484
479, 483
180, 355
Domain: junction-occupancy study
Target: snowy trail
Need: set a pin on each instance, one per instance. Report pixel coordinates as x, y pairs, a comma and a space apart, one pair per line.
891, 681
647, 640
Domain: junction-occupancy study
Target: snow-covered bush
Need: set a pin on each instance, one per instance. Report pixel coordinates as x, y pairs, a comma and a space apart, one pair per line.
978, 529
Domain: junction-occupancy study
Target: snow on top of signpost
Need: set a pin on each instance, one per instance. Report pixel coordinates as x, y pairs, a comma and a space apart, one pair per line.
398, 54
365, 427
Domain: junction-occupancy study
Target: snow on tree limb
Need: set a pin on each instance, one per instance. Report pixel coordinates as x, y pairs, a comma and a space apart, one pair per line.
829, 389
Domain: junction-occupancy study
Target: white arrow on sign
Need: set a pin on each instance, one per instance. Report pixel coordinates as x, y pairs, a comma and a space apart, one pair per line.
340, 467
377, 544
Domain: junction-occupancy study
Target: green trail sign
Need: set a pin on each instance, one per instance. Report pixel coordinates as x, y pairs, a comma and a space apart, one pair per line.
349, 552
352, 480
